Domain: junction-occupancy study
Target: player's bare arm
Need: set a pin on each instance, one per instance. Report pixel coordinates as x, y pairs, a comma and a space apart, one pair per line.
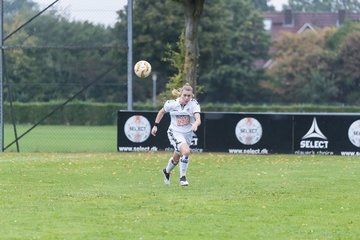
158, 118
197, 122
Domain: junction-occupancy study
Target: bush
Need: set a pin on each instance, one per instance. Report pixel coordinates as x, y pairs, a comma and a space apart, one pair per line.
90, 113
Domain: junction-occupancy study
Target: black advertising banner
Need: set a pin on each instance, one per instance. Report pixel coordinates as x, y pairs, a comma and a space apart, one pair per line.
248, 133
134, 133
327, 134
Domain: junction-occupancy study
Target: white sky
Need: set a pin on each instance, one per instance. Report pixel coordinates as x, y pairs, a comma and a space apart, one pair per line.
278, 3
103, 11
96, 11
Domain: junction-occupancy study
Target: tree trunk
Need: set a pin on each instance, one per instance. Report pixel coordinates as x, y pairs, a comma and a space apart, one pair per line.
193, 11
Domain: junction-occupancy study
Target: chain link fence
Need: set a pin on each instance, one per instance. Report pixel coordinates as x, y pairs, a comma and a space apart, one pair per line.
64, 75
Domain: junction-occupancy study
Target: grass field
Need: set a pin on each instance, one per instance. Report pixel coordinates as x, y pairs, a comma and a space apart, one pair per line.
122, 196
62, 138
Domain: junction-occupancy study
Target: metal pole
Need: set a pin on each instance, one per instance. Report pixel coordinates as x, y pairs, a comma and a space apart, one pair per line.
130, 57
154, 78
1, 75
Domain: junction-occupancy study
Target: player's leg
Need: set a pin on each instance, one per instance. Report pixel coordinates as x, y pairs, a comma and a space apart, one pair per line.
184, 163
185, 157
173, 161
175, 141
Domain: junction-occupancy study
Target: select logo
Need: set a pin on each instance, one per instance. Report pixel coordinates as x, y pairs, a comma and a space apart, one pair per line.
354, 133
194, 140
137, 129
314, 138
248, 131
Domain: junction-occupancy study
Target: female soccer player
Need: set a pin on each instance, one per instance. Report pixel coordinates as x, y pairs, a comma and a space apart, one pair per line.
185, 119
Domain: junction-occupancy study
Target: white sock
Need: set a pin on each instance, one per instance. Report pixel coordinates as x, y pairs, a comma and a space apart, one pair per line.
170, 166
184, 163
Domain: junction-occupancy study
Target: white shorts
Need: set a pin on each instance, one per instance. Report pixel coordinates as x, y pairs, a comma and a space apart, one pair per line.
176, 139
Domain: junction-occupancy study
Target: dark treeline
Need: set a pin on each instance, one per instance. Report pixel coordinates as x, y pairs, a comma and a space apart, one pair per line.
52, 58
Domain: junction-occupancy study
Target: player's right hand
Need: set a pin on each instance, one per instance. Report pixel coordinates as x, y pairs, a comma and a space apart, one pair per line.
154, 130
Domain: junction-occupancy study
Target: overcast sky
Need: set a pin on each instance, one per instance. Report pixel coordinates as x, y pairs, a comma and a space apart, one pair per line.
102, 11
278, 3
96, 11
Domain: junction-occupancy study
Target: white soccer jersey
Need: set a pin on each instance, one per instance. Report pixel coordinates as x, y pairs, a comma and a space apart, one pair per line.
181, 117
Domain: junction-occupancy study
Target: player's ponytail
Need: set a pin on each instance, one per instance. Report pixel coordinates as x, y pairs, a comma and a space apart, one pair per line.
177, 92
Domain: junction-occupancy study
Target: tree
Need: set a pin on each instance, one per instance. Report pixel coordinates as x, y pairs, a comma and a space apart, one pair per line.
262, 5
324, 5
240, 25
193, 10
157, 26
44, 65
302, 70
19, 65
317, 67
230, 37
349, 72
13, 7
335, 40
72, 61
233, 38
345, 45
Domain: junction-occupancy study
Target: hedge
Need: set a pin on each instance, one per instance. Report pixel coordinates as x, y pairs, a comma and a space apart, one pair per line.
90, 113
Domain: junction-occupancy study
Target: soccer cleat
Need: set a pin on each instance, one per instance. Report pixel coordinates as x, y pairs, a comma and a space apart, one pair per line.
166, 177
183, 181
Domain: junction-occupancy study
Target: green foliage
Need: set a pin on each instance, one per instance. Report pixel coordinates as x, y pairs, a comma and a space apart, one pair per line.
262, 5
74, 113
324, 5
349, 71
53, 58
294, 78
59, 57
18, 65
176, 58
90, 113
300, 108
318, 88
157, 26
317, 67
224, 26
227, 74
334, 41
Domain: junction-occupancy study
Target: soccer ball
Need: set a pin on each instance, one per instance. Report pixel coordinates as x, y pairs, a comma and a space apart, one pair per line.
142, 69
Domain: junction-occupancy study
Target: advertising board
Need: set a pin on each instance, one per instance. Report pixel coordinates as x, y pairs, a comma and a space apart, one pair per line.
248, 133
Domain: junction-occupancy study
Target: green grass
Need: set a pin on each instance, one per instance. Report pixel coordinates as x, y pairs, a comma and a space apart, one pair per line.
62, 138
122, 196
